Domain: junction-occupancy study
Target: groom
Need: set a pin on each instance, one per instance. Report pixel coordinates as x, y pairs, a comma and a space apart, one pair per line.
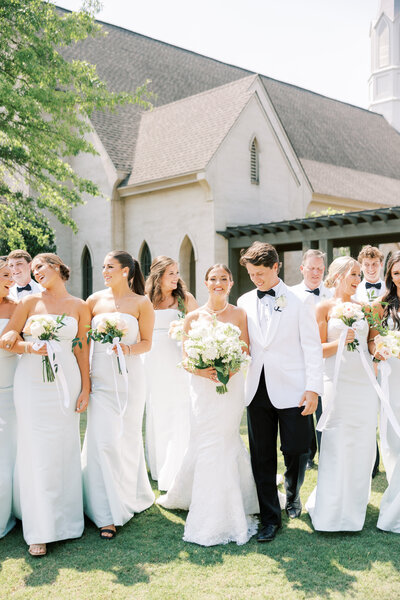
282, 385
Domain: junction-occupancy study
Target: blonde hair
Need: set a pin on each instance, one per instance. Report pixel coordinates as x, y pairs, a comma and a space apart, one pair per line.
338, 268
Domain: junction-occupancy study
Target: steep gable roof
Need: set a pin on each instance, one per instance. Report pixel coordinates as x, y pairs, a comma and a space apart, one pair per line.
182, 137
320, 129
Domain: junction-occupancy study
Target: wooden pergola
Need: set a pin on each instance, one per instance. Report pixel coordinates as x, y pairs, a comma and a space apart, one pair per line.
352, 229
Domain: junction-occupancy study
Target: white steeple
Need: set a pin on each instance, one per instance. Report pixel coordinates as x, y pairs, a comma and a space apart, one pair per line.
384, 83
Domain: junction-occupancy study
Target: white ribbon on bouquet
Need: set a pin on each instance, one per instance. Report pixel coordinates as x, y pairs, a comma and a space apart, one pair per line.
53, 348
382, 393
122, 363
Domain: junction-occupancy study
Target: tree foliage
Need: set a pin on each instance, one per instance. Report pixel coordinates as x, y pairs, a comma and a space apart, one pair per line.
44, 105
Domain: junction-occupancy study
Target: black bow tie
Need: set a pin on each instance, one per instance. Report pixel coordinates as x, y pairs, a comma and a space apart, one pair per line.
375, 285
261, 294
316, 291
26, 287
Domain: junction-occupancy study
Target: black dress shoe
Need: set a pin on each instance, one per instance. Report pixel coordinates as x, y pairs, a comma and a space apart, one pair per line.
310, 464
267, 533
293, 511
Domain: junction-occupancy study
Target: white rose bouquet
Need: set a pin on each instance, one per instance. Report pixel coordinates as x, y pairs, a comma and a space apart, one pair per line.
44, 328
176, 327
388, 344
109, 330
350, 314
215, 344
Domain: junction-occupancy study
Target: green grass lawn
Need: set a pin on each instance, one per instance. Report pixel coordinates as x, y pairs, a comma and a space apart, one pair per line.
148, 559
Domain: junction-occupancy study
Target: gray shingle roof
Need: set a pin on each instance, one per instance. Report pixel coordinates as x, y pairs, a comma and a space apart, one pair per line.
320, 129
182, 137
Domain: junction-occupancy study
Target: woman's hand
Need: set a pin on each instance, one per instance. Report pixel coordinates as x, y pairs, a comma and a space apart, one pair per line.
42, 351
350, 337
379, 356
125, 349
209, 373
82, 402
8, 340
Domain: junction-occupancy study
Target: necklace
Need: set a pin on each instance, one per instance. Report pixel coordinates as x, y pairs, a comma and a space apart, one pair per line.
216, 312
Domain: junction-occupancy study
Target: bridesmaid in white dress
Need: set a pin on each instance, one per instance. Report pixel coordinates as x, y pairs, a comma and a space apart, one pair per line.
168, 399
348, 446
48, 485
389, 514
215, 481
115, 480
8, 433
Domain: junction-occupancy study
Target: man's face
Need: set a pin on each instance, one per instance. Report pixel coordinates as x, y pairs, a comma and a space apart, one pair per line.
371, 267
313, 271
20, 270
264, 278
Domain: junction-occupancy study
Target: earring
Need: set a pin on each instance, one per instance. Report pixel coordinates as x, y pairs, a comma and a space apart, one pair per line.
124, 275
57, 269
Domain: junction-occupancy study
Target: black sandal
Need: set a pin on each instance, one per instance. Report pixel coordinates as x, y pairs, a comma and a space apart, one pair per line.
107, 537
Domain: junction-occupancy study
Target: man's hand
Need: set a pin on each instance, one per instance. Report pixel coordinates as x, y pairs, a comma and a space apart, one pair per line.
310, 402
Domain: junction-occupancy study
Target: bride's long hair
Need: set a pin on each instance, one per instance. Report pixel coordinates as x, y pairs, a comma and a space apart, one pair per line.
391, 309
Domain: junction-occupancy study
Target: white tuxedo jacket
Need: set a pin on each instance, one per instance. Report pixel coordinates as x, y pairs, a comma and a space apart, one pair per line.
290, 350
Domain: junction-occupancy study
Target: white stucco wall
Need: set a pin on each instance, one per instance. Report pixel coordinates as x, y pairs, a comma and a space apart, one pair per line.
163, 219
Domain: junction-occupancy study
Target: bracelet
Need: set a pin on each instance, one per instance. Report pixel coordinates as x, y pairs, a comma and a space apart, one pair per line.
26, 348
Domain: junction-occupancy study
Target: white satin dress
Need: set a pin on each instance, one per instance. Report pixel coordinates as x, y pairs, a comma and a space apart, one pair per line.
215, 481
348, 445
115, 480
8, 436
389, 513
48, 480
167, 403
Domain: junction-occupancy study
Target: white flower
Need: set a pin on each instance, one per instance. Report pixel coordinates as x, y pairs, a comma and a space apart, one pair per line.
281, 302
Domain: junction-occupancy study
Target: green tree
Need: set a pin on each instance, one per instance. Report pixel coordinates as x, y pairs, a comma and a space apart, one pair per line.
44, 105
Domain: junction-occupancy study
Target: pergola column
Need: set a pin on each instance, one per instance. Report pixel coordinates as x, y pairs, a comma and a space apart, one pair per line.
326, 246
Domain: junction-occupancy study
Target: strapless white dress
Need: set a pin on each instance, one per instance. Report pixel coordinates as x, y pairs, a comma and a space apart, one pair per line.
167, 403
389, 513
115, 480
348, 445
8, 436
48, 482
215, 481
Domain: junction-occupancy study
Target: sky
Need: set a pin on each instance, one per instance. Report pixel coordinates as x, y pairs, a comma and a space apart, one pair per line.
321, 45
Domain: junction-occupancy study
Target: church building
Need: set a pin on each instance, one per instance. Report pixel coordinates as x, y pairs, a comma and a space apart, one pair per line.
224, 149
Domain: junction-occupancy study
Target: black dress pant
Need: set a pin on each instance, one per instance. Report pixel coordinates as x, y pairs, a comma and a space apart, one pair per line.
295, 434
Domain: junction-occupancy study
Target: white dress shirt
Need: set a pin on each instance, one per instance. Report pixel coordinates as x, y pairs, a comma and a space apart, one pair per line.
302, 290
35, 288
369, 295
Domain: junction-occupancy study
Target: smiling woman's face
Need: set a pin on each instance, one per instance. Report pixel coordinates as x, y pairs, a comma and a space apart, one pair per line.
6, 281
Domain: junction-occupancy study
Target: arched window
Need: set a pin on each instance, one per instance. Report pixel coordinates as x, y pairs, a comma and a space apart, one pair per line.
87, 273
187, 264
145, 259
254, 175
383, 46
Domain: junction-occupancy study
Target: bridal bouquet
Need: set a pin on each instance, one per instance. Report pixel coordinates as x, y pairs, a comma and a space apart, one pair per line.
215, 344
176, 327
44, 328
350, 314
109, 330
388, 344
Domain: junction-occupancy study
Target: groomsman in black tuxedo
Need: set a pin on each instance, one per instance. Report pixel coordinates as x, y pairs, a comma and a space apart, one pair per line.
19, 262
282, 385
312, 269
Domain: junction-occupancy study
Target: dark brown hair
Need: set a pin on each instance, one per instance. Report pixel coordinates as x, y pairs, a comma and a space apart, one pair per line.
135, 275
219, 266
370, 252
54, 261
153, 282
391, 309
20, 254
259, 253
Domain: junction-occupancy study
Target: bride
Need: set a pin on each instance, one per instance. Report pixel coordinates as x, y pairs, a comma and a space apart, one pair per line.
215, 481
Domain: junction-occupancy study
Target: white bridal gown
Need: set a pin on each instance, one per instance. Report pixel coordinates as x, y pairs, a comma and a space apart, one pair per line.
48, 482
389, 513
348, 445
215, 481
8, 436
168, 403
115, 481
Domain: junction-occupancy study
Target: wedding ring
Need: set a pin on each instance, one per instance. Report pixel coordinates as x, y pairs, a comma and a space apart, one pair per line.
8, 345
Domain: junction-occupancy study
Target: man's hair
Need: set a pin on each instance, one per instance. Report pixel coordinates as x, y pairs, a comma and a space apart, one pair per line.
20, 254
259, 253
370, 252
313, 253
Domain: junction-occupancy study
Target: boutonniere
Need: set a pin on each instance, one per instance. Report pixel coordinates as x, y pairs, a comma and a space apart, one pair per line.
280, 303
